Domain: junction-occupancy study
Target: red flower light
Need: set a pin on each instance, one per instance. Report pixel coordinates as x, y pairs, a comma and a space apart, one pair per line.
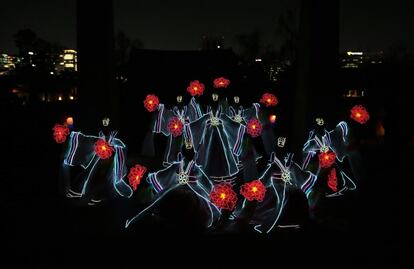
221, 82
269, 99
359, 114
333, 180
254, 127
103, 149
60, 132
151, 102
175, 126
135, 175
223, 196
254, 190
196, 88
327, 159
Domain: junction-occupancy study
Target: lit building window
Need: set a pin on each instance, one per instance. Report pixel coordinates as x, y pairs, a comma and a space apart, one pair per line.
67, 62
68, 57
354, 93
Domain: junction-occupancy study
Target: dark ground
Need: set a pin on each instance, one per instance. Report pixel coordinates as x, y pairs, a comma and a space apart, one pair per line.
42, 229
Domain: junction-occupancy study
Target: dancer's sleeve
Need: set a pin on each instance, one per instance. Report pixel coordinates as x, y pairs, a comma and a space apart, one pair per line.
196, 129
80, 150
339, 140
163, 179
161, 122
302, 179
120, 169
194, 111
235, 133
251, 112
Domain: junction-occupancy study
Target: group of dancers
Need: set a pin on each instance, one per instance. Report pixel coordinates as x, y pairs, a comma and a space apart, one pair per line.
213, 153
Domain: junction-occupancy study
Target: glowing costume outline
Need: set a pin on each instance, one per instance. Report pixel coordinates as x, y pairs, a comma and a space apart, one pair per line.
279, 177
81, 153
187, 114
229, 135
163, 182
336, 141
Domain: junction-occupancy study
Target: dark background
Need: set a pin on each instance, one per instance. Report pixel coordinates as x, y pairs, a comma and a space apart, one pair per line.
365, 25
370, 227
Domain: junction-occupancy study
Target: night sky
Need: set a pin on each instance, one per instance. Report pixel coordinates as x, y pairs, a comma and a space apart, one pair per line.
365, 25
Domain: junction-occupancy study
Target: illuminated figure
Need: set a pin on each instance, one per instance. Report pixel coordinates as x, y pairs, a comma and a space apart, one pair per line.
267, 117
324, 153
173, 123
242, 116
284, 179
217, 139
160, 123
258, 146
102, 162
181, 176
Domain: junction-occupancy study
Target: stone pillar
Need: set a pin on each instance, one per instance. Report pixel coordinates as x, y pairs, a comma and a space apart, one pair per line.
317, 67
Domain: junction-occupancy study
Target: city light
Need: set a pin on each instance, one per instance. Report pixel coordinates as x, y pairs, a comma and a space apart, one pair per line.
60, 98
30, 53
349, 53
71, 97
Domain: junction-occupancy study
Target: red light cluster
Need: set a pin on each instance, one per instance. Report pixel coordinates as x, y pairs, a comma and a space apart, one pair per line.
151, 102
60, 132
254, 190
103, 149
135, 175
254, 127
223, 196
196, 88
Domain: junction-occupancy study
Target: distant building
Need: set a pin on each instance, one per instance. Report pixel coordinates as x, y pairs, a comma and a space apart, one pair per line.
357, 59
7, 63
68, 61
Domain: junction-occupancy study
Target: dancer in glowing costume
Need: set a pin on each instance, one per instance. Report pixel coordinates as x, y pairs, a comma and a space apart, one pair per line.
164, 124
241, 115
102, 159
161, 118
217, 139
283, 179
324, 153
181, 176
